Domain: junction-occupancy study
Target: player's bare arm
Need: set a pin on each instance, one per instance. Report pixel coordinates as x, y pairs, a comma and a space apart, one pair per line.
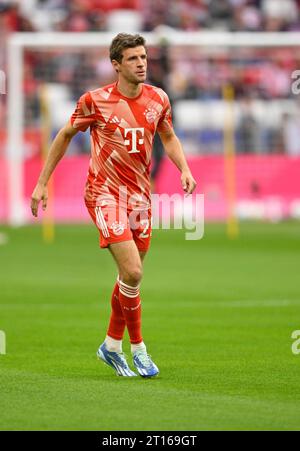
175, 152
57, 150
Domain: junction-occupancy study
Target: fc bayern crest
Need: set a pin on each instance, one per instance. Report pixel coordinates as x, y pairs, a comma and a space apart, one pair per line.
151, 115
117, 228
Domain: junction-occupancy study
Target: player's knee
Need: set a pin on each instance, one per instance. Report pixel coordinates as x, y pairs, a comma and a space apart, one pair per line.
133, 276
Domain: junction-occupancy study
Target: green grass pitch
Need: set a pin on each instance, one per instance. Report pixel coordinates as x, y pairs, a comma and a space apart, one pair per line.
217, 318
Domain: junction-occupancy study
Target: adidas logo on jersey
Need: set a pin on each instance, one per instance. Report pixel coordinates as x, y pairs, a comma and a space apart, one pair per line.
114, 120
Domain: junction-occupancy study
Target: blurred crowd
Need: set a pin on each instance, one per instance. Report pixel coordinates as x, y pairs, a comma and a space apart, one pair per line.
92, 15
261, 75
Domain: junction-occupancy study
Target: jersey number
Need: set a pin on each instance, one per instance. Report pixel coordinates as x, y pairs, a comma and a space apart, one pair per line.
145, 223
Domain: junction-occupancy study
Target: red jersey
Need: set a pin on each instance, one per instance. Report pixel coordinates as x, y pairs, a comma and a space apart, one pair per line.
122, 131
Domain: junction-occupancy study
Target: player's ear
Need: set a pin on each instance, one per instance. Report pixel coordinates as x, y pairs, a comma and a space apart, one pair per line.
115, 65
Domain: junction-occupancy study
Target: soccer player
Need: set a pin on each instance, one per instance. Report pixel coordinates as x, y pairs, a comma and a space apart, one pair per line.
123, 118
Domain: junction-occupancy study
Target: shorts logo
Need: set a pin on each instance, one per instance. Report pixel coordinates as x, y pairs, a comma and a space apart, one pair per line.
117, 228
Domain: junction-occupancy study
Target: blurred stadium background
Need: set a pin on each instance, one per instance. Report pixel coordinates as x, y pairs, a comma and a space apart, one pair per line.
227, 66
265, 117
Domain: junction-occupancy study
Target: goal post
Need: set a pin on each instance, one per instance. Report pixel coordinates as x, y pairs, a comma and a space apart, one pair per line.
19, 42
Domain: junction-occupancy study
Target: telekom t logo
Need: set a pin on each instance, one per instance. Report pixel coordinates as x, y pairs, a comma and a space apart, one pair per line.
134, 132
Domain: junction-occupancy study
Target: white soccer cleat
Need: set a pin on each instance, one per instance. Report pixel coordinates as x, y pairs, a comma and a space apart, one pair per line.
116, 360
143, 363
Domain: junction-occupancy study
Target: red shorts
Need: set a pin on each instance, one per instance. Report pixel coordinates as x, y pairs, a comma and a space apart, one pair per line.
116, 224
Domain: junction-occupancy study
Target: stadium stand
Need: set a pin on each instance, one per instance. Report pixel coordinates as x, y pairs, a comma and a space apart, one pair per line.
193, 80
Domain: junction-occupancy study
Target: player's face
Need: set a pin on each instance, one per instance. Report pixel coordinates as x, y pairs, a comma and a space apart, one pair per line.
133, 66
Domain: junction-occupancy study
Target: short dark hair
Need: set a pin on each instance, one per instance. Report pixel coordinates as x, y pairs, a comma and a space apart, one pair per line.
124, 41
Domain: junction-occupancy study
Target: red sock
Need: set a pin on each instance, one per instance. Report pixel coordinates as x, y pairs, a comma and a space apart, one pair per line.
117, 322
130, 301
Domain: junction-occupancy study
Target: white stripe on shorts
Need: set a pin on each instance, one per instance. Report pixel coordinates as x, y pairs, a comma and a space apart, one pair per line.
101, 222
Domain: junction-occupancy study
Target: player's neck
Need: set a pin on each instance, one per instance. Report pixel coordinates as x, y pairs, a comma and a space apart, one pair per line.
129, 89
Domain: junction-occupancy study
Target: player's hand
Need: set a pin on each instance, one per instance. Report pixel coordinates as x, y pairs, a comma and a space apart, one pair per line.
188, 182
40, 193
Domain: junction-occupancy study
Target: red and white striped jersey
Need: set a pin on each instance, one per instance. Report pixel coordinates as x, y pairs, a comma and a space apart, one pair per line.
122, 131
